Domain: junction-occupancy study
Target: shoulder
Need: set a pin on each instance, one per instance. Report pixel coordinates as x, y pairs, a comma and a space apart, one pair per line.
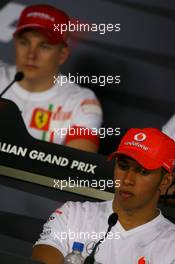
80, 213
168, 223
166, 241
82, 216
89, 209
159, 240
167, 228
7, 71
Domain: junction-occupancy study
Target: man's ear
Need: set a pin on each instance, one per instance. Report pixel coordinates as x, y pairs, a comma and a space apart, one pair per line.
167, 180
63, 54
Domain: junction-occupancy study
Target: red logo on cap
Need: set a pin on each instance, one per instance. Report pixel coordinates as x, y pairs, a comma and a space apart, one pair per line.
140, 137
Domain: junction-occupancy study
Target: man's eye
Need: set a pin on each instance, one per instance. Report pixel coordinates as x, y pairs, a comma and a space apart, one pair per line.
23, 42
122, 165
45, 46
143, 171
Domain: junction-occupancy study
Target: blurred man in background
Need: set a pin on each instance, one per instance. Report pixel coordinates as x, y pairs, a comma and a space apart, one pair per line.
54, 112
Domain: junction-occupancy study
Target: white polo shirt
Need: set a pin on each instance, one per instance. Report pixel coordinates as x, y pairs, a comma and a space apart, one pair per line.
153, 242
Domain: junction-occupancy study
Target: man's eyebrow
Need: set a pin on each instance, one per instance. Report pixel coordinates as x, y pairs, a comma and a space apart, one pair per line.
122, 159
142, 168
22, 37
45, 42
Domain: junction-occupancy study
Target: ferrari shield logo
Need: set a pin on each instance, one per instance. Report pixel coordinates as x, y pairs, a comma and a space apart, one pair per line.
40, 119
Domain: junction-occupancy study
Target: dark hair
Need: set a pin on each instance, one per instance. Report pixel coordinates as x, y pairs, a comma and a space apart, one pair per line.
173, 183
163, 172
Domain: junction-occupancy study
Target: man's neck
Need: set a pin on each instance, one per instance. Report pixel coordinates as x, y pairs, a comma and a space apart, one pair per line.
130, 219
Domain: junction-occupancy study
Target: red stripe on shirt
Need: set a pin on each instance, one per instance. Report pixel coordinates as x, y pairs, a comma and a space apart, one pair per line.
77, 132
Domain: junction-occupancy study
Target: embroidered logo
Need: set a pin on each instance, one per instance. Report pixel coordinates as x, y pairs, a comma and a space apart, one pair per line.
142, 260
140, 137
57, 211
41, 119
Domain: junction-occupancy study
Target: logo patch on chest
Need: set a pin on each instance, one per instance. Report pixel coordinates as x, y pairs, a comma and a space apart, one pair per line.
142, 260
40, 119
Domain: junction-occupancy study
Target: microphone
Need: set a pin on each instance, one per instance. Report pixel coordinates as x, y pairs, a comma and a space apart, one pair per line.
18, 77
112, 220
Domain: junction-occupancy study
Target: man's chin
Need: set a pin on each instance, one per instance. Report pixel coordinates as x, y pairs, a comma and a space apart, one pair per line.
30, 77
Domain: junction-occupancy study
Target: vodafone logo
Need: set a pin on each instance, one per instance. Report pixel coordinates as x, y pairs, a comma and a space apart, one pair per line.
41, 15
142, 260
140, 137
58, 211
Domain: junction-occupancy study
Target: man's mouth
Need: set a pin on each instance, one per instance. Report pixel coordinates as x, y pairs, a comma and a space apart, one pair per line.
125, 194
30, 66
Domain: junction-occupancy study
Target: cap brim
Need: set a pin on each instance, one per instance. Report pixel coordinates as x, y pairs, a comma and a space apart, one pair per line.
41, 29
143, 160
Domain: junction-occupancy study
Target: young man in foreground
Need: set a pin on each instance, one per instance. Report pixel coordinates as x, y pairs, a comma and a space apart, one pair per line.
145, 161
53, 112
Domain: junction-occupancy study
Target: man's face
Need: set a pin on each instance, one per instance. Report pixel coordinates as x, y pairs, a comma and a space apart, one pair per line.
38, 59
139, 187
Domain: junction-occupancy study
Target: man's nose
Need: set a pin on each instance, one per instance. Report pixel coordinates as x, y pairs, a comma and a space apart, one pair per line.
32, 52
129, 177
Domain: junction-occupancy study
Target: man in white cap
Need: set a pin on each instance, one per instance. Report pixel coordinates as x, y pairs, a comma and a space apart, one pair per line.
62, 114
145, 161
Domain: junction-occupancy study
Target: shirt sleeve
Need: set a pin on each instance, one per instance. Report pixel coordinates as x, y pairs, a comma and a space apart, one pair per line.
169, 254
88, 116
164, 252
4, 76
55, 230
